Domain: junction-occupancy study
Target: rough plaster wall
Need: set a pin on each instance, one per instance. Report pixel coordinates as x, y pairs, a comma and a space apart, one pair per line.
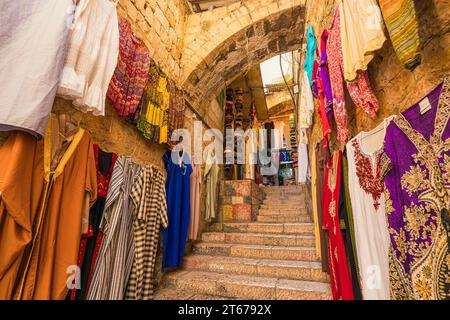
395, 87
161, 24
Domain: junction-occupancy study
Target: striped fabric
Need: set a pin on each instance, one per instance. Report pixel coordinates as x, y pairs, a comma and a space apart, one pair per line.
116, 255
149, 199
401, 22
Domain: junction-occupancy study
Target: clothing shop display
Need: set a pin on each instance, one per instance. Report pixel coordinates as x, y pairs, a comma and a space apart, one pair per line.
104, 163
360, 90
30, 76
322, 155
117, 250
361, 33
350, 228
348, 237
303, 164
148, 196
416, 170
324, 77
92, 55
326, 129
131, 74
401, 22
52, 176
306, 107
311, 47
366, 192
195, 189
179, 169
211, 175
341, 284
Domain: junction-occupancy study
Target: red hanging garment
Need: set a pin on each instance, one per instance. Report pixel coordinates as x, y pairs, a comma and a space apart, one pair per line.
341, 284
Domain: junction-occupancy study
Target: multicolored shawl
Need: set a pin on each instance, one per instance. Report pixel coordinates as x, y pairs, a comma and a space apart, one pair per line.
416, 165
401, 22
131, 74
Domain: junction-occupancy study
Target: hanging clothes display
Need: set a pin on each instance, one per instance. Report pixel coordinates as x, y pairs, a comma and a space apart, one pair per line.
211, 175
179, 171
196, 189
341, 283
177, 107
360, 90
92, 55
303, 164
361, 34
148, 196
33, 44
322, 155
52, 176
306, 107
401, 22
117, 249
311, 47
366, 192
323, 75
131, 74
87, 257
344, 221
417, 180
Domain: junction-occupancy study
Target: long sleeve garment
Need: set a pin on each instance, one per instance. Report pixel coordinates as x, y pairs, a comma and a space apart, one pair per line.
345, 216
178, 170
401, 21
92, 55
311, 46
116, 255
33, 45
341, 283
361, 33
41, 210
322, 155
196, 189
148, 196
369, 214
360, 90
87, 256
131, 74
211, 174
416, 170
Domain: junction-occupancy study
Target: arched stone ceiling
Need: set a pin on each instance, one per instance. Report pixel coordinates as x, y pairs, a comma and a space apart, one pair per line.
269, 36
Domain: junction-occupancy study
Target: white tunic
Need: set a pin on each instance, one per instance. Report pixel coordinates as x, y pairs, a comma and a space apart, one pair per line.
92, 56
361, 33
33, 38
370, 223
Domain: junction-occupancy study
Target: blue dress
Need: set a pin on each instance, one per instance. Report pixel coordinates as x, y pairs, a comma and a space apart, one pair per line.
311, 46
178, 209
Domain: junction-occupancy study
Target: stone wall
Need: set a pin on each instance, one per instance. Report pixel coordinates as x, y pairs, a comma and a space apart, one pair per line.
225, 42
395, 87
161, 24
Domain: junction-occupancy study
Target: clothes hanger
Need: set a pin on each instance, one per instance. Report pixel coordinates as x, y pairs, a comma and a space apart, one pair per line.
385, 122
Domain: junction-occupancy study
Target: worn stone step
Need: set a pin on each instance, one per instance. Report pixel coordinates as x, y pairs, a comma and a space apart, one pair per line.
284, 190
176, 294
246, 287
282, 206
275, 196
256, 251
283, 269
283, 218
296, 212
301, 202
306, 228
259, 239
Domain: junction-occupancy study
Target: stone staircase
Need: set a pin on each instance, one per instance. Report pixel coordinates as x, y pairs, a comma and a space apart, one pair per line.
272, 258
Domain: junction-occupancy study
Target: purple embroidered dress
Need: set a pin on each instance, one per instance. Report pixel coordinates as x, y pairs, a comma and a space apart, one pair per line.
416, 165
322, 73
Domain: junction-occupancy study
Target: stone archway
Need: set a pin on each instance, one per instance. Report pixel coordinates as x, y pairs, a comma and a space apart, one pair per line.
263, 37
